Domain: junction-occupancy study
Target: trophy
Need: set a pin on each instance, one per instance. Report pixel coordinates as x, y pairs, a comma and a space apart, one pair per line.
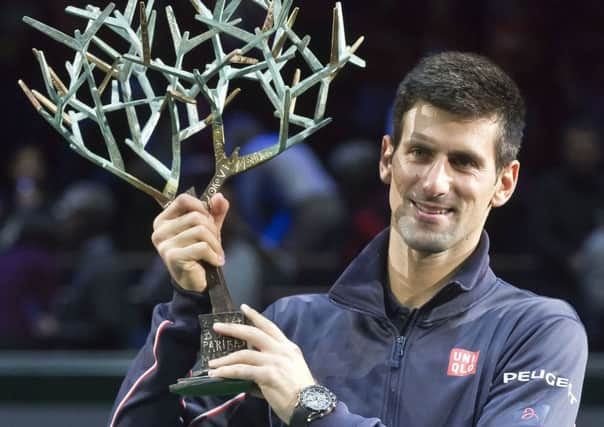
105, 81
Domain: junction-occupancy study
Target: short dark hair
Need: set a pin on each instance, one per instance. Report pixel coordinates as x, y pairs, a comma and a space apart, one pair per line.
467, 85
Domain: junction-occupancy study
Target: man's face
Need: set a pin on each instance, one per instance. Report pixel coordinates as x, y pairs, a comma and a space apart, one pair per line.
443, 179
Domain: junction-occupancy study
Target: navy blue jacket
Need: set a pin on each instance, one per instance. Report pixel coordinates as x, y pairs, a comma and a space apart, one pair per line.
480, 353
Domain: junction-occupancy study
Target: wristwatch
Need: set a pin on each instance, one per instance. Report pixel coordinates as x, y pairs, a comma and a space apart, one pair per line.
314, 401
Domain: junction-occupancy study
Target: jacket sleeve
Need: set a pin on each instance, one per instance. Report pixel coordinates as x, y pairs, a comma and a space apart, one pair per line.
540, 376
342, 417
169, 353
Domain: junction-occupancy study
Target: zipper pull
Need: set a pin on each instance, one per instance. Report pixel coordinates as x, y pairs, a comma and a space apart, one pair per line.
401, 346
398, 352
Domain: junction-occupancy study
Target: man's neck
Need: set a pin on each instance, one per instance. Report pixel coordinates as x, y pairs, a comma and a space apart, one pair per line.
416, 277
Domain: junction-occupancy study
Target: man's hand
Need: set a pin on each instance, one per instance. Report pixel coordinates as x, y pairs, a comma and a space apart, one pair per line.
276, 364
187, 232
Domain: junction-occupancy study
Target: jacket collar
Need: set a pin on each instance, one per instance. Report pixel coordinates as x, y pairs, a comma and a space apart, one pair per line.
361, 286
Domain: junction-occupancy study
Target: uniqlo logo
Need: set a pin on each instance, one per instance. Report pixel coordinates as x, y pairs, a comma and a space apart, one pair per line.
462, 362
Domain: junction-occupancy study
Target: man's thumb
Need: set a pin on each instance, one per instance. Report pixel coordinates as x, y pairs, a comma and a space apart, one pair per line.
219, 207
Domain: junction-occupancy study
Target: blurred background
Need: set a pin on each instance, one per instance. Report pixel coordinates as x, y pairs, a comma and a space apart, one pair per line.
78, 274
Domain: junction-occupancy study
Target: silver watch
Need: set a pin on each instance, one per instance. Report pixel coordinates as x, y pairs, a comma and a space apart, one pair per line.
314, 401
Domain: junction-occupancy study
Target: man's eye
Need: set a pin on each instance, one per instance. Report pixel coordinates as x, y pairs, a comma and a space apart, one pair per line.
463, 162
419, 153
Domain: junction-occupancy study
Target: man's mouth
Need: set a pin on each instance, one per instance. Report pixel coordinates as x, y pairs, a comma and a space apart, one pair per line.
431, 208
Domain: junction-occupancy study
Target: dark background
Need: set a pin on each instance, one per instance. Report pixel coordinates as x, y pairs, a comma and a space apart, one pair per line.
553, 49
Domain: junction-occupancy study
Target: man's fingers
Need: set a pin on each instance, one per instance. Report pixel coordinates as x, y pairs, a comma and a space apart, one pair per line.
252, 335
186, 210
245, 357
180, 205
200, 251
172, 227
241, 372
201, 234
219, 207
263, 323
180, 236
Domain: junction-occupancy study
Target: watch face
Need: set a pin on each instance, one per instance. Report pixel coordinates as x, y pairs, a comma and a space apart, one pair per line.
317, 398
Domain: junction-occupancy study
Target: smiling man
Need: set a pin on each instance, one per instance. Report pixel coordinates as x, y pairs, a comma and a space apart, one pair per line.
418, 331
444, 179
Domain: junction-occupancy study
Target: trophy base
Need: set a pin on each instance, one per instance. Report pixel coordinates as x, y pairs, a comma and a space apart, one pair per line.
213, 346
205, 386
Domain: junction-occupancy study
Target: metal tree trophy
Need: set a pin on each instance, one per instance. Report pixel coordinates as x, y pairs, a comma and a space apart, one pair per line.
261, 59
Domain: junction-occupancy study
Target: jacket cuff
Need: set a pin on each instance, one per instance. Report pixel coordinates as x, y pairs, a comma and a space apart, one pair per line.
341, 417
187, 304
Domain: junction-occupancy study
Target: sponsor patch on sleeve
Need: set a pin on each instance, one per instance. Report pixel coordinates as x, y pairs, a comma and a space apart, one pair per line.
551, 379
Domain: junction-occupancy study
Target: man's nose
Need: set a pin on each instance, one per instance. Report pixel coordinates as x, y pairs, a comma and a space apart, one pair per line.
437, 179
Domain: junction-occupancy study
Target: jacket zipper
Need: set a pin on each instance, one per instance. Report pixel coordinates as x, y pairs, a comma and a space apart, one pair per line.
398, 351
401, 341
390, 414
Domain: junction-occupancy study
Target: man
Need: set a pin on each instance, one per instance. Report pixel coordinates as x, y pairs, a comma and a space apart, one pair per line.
418, 331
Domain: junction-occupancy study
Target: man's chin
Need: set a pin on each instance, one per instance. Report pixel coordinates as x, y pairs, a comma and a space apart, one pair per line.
427, 246
427, 242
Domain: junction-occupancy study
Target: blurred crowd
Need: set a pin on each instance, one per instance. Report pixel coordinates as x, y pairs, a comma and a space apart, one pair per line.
77, 267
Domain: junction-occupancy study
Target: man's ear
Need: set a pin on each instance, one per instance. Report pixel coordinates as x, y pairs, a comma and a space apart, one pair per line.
386, 154
506, 184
